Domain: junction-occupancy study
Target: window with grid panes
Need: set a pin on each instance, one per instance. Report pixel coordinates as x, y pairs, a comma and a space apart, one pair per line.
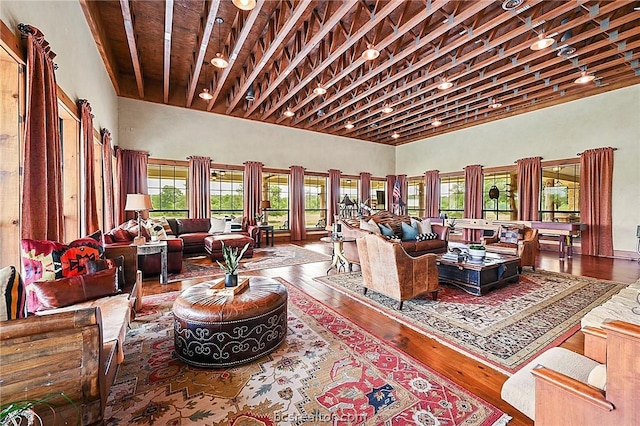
275, 188
168, 188
415, 197
560, 193
505, 207
227, 193
315, 202
452, 196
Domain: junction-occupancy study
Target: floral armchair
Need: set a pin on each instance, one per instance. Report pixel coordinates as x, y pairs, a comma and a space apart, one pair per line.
518, 241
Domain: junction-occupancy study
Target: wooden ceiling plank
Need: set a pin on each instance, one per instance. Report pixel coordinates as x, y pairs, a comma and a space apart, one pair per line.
127, 17
416, 20
96, 26
522, 82
239, 44
204, 37
326, 28
335, 55
168, 28
276, 42
466, 14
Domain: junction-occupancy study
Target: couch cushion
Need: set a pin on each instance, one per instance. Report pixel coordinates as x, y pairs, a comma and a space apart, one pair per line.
70, 290
188, 226
194, 238
12, 297
409, 233
427, 245
117, 262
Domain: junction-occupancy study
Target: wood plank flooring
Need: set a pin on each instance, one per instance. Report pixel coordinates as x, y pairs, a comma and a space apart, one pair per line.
480, 379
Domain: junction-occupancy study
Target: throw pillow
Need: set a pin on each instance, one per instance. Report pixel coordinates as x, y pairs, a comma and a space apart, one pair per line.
94, 266
409, 233
121, 235
70, 290
368, 226
154, 227
425, 226
217, 225
165, 225
427, 236
510, 235
386, 231
12, 297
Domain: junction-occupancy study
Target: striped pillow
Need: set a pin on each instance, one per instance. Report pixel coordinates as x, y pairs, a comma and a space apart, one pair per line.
12, 292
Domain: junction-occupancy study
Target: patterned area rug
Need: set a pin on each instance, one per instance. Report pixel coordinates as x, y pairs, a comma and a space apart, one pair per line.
263, 258
504, 328
328, 371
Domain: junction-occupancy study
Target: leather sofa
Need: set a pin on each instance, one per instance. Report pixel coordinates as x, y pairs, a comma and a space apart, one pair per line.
351, 229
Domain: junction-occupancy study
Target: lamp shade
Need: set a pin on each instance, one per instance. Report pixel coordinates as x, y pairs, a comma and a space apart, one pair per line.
265, 204
138, 202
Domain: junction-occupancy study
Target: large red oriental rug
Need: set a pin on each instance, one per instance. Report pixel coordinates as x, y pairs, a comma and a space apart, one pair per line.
328, 371
504, 328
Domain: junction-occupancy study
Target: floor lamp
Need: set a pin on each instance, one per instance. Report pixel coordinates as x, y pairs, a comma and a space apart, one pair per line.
138, 203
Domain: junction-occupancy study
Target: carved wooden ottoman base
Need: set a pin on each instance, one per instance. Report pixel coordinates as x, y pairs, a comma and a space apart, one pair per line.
215, 330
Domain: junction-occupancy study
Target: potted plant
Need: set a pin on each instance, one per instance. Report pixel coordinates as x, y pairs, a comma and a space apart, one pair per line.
477, 252
231, 257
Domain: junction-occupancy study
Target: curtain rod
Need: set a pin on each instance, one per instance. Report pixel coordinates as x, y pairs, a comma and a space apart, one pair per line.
516, 162
580, 153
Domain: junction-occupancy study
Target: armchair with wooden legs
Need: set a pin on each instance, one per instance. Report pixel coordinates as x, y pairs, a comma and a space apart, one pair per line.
522, 243
388, 269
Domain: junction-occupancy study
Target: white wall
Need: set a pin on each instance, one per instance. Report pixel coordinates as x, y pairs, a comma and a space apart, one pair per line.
608, 119
175, 133
81, 72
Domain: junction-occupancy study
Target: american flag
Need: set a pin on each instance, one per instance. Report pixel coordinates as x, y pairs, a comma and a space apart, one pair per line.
396, 192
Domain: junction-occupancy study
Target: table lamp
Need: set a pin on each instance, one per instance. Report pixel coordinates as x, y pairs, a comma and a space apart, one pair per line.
138, 203
265, 205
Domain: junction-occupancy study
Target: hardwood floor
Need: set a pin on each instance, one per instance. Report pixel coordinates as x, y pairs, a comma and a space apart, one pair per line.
480, 379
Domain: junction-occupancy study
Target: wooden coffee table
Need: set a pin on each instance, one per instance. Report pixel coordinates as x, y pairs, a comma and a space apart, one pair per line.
478, 278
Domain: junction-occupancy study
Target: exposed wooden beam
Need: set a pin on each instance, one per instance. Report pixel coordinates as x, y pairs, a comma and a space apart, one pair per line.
336, 54
102, 41
204, 37
127, 17
325, 29
168, 25
242, 37
276, 42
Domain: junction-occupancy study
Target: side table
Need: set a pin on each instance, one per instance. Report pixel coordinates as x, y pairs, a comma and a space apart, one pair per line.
153, 248
268, 232
338, 255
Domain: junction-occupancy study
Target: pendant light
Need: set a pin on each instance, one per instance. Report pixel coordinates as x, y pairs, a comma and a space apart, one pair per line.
584, 78
495, 104
371, 53
319, 90
206, 95
349, 125
244, 4
219, 61
387, 109
436, 122
288, 113
542, 42
395, 135
445, 84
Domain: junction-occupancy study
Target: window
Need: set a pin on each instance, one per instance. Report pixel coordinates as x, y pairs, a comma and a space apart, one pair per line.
377, 194
452, 196
227, 193
560, 197
315, 202
275, 188
70, 140
348, 207
168, 189
415, 197
505, 207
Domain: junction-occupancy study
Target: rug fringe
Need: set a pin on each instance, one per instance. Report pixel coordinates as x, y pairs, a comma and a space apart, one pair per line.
503, 420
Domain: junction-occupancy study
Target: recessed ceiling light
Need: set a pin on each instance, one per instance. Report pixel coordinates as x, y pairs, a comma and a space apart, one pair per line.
319, 90
205, 95
371, 53
584, 78
395, 135
288, 113
495, 104
349, 125
244, 4
436, 122
445, 84
542, 42
387, 109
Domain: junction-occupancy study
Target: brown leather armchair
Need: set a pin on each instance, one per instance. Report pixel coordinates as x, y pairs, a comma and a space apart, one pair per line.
388, 269
526, 247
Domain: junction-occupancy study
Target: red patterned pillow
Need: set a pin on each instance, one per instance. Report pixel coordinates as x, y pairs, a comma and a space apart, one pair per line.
121, 235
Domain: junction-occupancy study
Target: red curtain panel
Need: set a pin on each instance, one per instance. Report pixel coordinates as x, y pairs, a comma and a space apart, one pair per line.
334, 195
132, 171
596, 184
364, 190
252, 190
89, 206
199, 187
472, 199
432, 193
296, 214
529, 181
107, 177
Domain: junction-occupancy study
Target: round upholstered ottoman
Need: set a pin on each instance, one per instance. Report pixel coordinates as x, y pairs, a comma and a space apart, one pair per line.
213, 330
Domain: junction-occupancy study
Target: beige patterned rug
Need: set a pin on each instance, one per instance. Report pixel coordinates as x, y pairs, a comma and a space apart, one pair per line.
328, 371
504, 328
263, 258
